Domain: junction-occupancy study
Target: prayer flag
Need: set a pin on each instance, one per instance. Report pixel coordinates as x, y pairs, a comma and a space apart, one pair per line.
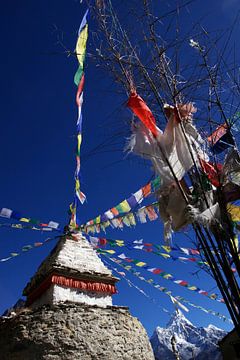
53, 224
166, 256
132, 202
6, 213
193, 288
175, 302
146, 190
186, 251
138, 196
142, 111
234, 211
140, 247
140, 263
81, 48
167, 276
167, 248
155, 184
109, 214
212, 171
221, 139
123, 207
155, 271
122, 256
132, 220
138, 241
25, 220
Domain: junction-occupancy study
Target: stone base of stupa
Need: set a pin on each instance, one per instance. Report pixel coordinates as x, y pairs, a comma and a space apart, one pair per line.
74, 332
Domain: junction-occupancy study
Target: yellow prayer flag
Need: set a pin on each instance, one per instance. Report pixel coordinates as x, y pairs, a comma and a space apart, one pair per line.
235, 242
110, 251
166, 256
234, 211
79, 138
120, 242
98, 219
81, 45
77, 185
25, 220
167, 248
140, 264
125, 206
167, 276
132, 220
192, 287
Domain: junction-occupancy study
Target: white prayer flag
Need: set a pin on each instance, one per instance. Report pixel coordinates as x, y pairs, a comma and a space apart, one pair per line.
53, 224
6, 213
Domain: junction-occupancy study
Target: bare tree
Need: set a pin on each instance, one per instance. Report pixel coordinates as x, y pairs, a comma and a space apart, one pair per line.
165, 63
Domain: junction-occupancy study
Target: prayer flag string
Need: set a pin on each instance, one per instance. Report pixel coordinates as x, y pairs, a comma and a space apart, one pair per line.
162, 273
131, 284
26, 248
130, 219
165, 290
146, 247
149, 247
27, 227
126, 206
15, 215
79, 80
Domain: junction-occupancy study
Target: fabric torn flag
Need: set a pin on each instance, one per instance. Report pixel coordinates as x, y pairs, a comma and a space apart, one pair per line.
213, 171
221, 139
172, 152
231, 167
142, 111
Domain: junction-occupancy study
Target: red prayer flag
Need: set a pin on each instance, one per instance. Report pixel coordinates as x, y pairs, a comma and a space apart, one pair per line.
157, 271
80, 89
148, 250
212, 171
114, 211
142, 111
194, 252
217, 134
102, 241
38, 244
146, 190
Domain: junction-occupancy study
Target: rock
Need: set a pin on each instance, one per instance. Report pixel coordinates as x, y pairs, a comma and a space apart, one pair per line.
74, 332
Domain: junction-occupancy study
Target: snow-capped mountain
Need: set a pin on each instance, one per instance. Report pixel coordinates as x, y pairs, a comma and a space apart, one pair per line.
191, 342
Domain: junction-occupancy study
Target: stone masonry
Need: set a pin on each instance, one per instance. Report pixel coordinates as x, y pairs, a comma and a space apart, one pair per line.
70, 331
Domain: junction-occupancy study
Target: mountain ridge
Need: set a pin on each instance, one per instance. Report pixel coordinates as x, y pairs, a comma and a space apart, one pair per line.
199, 343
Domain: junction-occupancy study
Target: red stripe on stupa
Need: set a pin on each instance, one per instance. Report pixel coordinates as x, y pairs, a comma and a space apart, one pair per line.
83, 285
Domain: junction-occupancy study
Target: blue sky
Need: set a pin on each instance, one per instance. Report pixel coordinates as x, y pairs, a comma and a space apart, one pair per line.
38, 117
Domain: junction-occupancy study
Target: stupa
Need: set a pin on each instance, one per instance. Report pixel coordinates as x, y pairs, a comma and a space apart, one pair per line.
69, 313
72, 272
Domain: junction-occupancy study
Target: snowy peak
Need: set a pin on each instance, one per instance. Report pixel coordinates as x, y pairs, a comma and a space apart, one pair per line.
180, 326
178, 319
192, 342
